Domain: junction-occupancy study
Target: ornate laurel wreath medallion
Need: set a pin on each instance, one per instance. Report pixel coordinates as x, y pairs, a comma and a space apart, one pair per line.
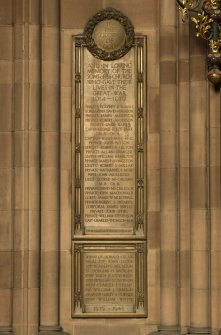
109, 34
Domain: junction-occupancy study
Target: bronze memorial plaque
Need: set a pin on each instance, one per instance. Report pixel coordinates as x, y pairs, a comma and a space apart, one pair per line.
109, 280
109, 182
109, 146
108, 172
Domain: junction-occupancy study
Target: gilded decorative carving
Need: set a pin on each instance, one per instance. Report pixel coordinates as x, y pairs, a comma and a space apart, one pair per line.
207, 16
215, 4
203, 25
215, 46
184, 5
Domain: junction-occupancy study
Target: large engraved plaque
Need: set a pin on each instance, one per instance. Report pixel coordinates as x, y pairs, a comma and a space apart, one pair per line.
109, 279
109, 181
108, 172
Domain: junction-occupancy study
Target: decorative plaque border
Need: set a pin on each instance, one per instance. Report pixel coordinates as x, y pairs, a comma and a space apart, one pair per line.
80, 309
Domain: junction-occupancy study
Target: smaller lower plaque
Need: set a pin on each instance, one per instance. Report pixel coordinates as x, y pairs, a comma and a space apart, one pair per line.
109, 279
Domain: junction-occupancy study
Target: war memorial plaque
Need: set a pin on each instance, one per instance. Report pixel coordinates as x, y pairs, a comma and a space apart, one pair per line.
110, 279
109, 128
108, 172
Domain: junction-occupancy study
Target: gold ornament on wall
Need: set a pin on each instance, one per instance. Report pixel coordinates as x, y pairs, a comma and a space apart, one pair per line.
203, 25
206, 14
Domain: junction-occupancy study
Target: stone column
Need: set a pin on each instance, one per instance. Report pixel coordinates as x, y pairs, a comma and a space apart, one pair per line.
26, 145
169, 266
215, 204
184, 173
6, 167
50, 212
153, 165
20, 155
169, 171
199, 186
34, 176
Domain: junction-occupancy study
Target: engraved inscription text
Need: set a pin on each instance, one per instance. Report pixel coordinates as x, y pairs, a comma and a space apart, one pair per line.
109, 282
109, 145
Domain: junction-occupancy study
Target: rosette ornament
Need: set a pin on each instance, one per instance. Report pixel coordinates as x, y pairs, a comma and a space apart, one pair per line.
206, 14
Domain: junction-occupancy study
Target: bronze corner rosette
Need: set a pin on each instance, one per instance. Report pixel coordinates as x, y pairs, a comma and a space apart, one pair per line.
109, 14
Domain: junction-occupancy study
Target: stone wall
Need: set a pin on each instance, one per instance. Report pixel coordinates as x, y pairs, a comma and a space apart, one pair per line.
183, 165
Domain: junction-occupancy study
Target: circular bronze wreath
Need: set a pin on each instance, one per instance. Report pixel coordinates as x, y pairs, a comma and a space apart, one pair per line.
109, 14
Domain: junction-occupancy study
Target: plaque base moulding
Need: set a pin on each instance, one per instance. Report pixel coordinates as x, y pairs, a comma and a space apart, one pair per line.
50, 330
6, 331
199, 330
167, 330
